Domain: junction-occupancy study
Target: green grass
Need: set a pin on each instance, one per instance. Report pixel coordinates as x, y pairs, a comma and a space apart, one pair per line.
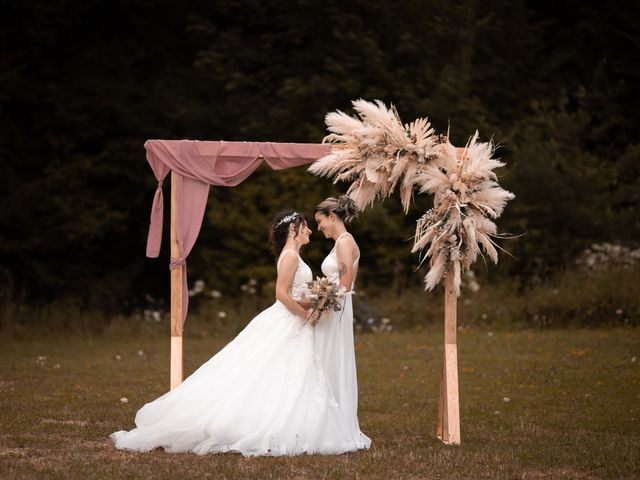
573, 408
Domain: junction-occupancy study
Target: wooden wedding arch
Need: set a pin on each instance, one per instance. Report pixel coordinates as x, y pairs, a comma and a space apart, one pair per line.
194, 166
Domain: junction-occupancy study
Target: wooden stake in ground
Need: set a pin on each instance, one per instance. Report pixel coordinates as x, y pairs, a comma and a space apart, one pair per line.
448, 427
176, 296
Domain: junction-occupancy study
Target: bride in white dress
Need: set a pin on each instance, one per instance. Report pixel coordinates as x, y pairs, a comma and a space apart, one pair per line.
333, 339
264, 393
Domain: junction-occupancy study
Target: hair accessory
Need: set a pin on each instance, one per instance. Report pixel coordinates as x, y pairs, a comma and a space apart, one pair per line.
289, 218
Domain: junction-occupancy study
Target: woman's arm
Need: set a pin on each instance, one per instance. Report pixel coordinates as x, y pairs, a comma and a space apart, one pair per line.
344, 252
288, 267
304, 302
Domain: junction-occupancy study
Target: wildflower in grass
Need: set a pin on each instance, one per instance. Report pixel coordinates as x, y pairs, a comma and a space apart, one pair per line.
506, 399
607, 256
198, 286
215, 293
124, 400
469, 281
222, 314
140, 353
385, 325
118, 357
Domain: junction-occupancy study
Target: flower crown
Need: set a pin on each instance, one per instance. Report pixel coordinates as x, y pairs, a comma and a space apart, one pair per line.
289, 218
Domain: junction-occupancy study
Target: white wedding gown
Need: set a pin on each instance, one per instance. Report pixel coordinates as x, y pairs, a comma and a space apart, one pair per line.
334, 346
264, 393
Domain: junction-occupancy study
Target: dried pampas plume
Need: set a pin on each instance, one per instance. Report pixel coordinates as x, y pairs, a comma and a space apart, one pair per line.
376, 152
467, 198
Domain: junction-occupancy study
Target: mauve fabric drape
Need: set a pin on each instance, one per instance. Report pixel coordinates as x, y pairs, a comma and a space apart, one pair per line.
203, 163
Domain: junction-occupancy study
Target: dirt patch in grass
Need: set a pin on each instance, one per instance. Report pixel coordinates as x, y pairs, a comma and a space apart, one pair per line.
80, 423
558, 473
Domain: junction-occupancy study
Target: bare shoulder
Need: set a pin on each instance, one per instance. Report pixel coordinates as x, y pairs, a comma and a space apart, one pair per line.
288, 260
347, 239
348, 244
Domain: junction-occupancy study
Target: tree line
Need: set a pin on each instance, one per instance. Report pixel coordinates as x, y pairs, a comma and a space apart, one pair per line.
84, 84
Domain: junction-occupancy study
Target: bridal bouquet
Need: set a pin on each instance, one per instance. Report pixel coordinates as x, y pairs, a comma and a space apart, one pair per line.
324, 296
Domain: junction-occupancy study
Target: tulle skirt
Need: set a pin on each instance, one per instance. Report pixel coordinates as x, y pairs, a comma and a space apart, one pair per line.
264, 393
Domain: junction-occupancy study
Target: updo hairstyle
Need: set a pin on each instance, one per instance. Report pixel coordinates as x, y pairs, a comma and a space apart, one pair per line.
344, 207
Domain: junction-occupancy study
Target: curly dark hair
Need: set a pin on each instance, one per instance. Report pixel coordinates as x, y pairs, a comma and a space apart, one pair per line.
279, 229
344, 207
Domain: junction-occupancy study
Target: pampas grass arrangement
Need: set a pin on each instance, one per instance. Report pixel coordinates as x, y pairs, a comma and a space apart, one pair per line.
376, 152
467, 198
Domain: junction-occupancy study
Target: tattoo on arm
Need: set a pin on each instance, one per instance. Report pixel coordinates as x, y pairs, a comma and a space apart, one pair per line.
342, 269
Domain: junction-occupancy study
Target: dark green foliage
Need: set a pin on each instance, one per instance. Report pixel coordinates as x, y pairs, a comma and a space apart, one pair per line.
83, 84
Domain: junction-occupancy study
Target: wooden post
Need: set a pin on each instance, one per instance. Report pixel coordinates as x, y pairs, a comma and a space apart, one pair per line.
448, 428
440, 425
176, 296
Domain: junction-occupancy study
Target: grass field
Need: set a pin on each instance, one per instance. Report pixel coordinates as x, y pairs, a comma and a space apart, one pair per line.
534, 404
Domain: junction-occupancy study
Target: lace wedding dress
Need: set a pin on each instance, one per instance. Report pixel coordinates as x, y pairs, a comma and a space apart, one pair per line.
334, 346
264, 393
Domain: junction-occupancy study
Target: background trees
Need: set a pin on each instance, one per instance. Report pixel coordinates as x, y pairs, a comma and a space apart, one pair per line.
83, 85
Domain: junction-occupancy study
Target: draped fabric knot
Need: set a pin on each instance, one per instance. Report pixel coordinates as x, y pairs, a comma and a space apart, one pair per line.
176, 262
195, 165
